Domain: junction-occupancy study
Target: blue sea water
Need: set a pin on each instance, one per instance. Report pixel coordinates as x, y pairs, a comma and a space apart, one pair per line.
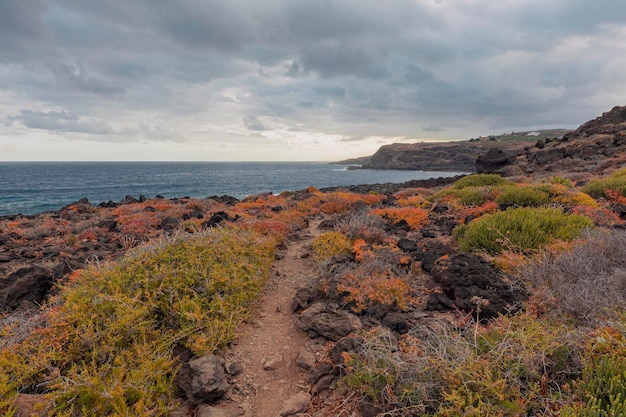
36, 187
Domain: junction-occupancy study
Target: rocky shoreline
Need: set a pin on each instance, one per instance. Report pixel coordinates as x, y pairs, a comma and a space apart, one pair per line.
37, 251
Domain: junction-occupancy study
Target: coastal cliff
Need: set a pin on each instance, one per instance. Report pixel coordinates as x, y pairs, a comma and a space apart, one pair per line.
596, 147
443, 156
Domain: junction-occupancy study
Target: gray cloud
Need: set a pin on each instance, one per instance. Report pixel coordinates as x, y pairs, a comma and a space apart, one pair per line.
62, 121
76, 77
432, 128
353, 68
253, 123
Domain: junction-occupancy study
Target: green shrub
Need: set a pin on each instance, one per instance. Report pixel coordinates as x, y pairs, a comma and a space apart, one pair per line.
519, 229
107, 349
598, 188
562, 181
601, 391
481, 180
603, 388
523, 197
514, 367
472, 196
467, 196
620, 173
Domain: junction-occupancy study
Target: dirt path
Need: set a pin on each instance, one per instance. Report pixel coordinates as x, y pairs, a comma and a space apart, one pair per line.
270, 341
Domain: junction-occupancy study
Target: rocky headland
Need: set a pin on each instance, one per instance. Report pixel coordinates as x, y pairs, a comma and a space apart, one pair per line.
596, 148
444, 156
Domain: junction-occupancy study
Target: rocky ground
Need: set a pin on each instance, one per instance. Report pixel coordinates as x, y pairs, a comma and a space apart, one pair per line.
595, 148
289, 355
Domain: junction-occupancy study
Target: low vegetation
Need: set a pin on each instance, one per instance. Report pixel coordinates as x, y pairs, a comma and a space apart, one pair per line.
612, 187
481, 180
520, 229
108, 344
523, 197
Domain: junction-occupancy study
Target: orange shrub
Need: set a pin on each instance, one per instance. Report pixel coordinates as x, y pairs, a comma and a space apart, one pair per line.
92, 234
476, 211
141, 224
415, 217
261, 203
615, 197
413, 201
160, 204
273, 228
601, 216
339, 202
360, 250
376, 287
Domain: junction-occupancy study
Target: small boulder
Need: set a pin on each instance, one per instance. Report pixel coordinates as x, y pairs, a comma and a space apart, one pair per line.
233, 368
303, 298
30, 284
347, 344
315, 374
324, 383
202, 379
396, 322
298, 403
327, 320
407, 245
129, 199
370, 410
207, 411
272, 362
169, 223
217, 218
305, 359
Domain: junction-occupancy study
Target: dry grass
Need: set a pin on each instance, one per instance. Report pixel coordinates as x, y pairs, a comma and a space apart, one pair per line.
587, 282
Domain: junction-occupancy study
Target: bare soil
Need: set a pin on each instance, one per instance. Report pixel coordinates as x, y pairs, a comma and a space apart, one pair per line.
271, 339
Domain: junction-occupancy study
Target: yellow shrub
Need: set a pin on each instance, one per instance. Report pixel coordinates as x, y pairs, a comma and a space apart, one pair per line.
107, 347
331, 244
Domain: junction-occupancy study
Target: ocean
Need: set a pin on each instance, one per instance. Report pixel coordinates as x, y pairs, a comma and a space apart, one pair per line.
36, 187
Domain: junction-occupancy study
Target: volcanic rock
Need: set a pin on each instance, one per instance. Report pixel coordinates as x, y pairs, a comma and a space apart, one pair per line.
475, 285
327, 320
169, 223
596, 147
202, 379
30, 284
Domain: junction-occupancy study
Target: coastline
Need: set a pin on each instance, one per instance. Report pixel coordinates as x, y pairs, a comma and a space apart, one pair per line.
32, 188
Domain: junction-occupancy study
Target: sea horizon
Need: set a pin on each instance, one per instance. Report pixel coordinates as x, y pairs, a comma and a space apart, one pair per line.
43, 186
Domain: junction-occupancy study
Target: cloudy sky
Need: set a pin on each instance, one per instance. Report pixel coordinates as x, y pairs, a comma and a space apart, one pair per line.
296, 79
